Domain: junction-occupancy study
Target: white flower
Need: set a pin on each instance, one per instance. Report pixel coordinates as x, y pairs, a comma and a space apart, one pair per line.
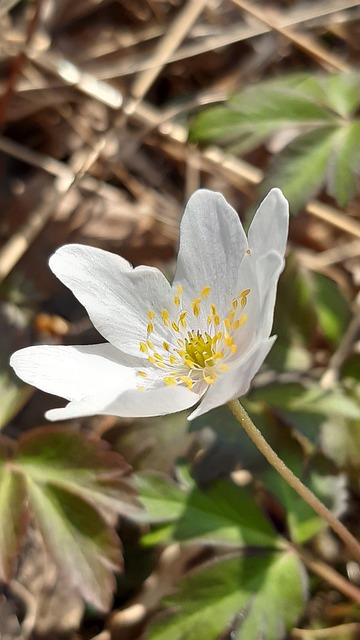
169, 347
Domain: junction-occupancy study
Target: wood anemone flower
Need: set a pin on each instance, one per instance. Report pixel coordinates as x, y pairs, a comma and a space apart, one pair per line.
197, 342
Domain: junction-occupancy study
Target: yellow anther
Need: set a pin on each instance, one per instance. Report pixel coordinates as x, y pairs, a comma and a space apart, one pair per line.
228, 341
243, 319
243, 301
141, 388
233, 348
169, 381
150, 328
151, 314
150, 344
227, 323
179, 289
235, 325
245, 293
166, 346
175, 326
187, 381
158, 357
235, 303
143, 347
143, 374
213, 309
210, 379
219, 354
224, 367
205, 292
177, 301
231, 315
172, 359
165, 317
216, 320
196, 308
182, 317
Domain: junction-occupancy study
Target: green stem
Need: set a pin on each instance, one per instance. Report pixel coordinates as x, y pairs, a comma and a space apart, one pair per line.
258, 439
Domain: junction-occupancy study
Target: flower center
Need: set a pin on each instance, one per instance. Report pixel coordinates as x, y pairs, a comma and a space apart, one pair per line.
194, 356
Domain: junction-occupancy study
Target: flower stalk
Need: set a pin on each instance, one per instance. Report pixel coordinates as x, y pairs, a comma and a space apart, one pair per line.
258, 439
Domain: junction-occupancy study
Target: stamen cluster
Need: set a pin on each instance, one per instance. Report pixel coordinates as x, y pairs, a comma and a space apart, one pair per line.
190, 356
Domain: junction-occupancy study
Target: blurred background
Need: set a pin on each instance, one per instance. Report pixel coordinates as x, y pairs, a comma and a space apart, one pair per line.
112, 112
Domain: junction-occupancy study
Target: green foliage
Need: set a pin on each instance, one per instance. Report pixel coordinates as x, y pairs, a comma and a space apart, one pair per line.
65, 483
310, 306
311, 118
249, 597
222, 513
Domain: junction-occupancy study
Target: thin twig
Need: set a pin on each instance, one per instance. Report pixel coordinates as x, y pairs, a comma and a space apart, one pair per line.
300, 40
342, 630
329, 574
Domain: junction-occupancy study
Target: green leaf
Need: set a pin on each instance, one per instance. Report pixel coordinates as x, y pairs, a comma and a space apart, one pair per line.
222, 514
87, 468
66, 482
344, 165
13, 516
294, 397
300, 169
248, 597
313, 119
78, 538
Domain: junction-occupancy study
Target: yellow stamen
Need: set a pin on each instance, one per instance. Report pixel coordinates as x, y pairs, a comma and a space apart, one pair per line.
151, 314
187, 381
205, 292
143, 374
150, 328
182, 317
175, 327
179, 289
177, 301
143, 347
165, 317
169, 381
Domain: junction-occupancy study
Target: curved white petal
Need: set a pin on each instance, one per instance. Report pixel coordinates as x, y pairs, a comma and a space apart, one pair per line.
212, 245
75, 372
116, 296
269, 228
236, 382
130, 403
96, 382
268, 269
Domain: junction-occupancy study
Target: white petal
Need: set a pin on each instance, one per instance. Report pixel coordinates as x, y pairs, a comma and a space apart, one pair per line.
116, 296
268, 269
212, 245
74, 372
96, 382
269, 228
235, 382
131, 403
